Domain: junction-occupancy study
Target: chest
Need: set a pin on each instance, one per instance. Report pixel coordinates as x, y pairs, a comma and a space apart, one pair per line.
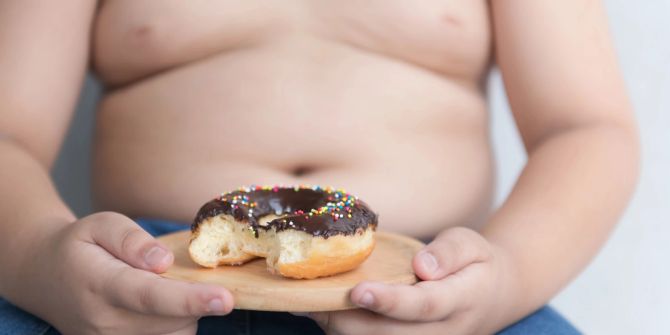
135, 38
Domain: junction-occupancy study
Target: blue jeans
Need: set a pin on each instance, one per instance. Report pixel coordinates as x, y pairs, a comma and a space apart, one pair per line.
14, 321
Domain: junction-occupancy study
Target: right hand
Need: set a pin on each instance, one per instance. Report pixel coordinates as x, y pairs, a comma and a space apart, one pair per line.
99, 275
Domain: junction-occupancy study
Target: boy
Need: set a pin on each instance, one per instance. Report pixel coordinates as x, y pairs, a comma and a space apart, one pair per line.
382, 98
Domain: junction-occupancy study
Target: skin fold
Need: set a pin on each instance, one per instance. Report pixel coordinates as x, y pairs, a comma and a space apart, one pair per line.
382, 98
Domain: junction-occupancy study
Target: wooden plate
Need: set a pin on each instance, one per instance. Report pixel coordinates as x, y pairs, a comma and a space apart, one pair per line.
254, 288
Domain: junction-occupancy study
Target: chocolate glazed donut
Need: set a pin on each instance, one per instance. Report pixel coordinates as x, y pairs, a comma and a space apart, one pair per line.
303, 232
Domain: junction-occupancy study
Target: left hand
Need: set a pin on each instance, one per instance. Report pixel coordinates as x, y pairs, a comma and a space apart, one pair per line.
466, 288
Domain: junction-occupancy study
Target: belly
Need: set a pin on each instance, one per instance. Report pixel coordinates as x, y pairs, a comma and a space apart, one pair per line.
298, 109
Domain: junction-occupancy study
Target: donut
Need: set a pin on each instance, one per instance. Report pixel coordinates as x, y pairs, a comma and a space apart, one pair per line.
303, 232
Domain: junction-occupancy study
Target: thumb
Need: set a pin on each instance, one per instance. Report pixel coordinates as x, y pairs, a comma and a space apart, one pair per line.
127, 241
451, 251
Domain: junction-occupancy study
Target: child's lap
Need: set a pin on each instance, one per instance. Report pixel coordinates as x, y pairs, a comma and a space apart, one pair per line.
13, 320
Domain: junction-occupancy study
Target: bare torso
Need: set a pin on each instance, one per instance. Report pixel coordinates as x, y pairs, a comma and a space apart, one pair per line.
382, 98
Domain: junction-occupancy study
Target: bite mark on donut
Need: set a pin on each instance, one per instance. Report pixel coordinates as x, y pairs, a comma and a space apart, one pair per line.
290, 253
302, 231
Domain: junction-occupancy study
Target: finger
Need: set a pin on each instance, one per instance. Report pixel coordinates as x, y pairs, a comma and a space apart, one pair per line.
452, 250
355, 322
149, 293
124, 239
425, 301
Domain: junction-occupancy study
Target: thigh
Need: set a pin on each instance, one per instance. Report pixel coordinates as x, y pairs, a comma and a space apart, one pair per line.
545, 321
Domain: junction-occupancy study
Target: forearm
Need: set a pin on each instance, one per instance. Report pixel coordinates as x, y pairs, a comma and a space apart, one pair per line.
30, 209
564, 205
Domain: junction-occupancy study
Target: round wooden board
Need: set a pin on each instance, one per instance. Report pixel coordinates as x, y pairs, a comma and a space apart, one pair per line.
254, 288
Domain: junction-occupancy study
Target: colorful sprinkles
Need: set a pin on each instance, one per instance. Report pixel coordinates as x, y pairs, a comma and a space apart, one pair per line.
320, 211
339, 205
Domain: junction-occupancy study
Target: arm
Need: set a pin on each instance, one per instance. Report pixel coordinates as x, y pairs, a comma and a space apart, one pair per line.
577, 125
92, 275
44, 48
570, 105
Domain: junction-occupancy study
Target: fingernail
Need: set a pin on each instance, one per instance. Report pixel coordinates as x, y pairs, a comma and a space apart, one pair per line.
428, 261
156, 256
216, 306
366, 300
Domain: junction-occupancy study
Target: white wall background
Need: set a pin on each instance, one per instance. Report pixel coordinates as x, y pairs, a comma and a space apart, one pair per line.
626, 290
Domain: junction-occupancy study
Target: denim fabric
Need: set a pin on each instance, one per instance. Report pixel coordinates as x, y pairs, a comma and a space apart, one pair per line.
14, 321
545, 321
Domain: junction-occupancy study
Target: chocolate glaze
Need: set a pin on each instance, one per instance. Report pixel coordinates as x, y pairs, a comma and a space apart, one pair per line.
332, 212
